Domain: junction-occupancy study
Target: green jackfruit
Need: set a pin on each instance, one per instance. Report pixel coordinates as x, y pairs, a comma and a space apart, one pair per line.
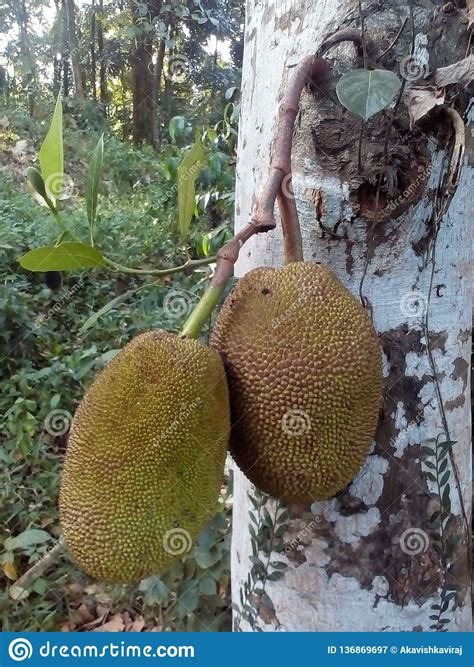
144, 463
303, 365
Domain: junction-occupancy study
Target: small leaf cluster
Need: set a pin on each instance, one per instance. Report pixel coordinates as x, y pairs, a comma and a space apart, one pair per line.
441, 520
266, 539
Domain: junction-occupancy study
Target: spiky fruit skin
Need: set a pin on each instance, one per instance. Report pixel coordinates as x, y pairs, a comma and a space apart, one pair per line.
145, 458
303, 365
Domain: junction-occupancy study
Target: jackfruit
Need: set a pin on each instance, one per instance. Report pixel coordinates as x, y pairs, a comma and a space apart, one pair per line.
303, 364
145, 458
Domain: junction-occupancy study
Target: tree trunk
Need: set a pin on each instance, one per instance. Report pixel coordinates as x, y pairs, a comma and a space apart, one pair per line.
145, 118
104, 98
65, 50
375, 558
156, 87
93, 52
74, 50
29, 63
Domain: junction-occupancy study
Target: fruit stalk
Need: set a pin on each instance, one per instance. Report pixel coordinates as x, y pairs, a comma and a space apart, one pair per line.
277, 187
226, 259
278, 184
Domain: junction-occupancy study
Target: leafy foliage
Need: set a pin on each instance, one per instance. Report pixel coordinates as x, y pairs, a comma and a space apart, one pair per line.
442, 523
266, 533
49, 362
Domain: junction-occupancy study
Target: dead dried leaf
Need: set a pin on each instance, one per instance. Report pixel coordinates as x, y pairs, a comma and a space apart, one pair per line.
96, 621
461, 72
421, 100
9, 570
470, 11
90, 590
75, 587
115, 624
19, 149
136, 626
85, 614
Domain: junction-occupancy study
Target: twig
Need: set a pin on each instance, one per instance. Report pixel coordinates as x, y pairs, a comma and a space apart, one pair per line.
30, 576
359, 154
412, 21
189, 264
362, 35
308, 70
444, 198
263, 218
395, 40
346, 35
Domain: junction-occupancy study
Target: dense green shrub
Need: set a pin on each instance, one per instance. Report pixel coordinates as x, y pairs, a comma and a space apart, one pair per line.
47, 363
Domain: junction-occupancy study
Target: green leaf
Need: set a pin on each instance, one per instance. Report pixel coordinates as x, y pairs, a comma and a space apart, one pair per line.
187, 173
207, 584
187, 602
27, 539
92, 185
366, 92
176, 127
445, 500
51, 155
444, 478
230, 92
275, 576
36, 180
446, 446
64, 257
206, 558
110, 306
443, 465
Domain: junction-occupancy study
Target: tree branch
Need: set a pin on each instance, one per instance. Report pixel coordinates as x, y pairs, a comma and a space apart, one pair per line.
278, 183
30, 576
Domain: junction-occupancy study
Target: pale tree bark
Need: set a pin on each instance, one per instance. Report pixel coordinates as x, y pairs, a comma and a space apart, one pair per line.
74, 50
374, 558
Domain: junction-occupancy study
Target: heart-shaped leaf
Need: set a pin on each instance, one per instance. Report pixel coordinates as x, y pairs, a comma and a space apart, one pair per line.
63, 257
366, 92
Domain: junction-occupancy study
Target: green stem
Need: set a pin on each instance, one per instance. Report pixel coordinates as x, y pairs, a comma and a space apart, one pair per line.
190, 264
202, 312
64, 228
226, 259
